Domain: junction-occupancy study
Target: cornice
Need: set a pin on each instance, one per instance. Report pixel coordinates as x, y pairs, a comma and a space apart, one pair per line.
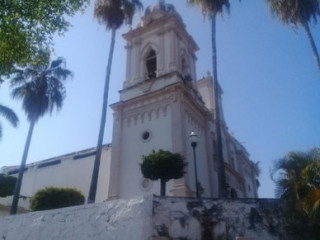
171, 23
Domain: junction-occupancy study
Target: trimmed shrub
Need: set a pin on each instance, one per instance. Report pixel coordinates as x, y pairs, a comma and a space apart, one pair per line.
54, 197
7, 185
163, 165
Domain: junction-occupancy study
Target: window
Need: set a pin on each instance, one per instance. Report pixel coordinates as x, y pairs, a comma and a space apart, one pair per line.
146, 135
151, 64
84, 155
15, 171
185, 70
47, 164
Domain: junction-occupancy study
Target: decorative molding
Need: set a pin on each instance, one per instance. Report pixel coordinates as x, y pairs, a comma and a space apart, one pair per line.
137, 41
161, 31
129, 45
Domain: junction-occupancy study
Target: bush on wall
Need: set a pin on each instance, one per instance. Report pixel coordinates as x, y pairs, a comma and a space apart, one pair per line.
53, 197
7, 184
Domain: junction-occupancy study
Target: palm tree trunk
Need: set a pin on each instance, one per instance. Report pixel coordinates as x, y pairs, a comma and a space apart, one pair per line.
221, 169
162, 188
17, 189
96, 167
312, 43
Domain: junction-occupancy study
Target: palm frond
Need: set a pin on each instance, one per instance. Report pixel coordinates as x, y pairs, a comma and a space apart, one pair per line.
10, 115
298, 183
57, 63
32, 72
210, 7
40, 88
62, 73
295, 12
129, 9
109, 13
17, 79
113, 13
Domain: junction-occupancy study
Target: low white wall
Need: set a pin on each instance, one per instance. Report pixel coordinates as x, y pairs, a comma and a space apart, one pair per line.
152, 218
112, 220
74, 171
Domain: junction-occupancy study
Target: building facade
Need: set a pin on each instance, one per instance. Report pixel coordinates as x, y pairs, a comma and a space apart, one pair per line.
161, 103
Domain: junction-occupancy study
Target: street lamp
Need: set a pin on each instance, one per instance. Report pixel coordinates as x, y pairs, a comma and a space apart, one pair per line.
193, 138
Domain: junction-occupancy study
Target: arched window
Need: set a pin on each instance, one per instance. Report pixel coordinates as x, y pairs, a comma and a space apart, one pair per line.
185, 70
151, 64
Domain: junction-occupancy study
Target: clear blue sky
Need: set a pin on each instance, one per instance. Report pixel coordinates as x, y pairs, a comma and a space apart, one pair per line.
271, 86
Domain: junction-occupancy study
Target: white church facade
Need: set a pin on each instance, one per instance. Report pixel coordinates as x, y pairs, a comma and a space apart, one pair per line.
160, 104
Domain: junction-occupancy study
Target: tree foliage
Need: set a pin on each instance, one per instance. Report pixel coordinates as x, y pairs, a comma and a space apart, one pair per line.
297, 178
53, 197
298, 12
211, 7
7, 184
41, 87
8, 114
27, 29
113, 13
295, 12
163, 165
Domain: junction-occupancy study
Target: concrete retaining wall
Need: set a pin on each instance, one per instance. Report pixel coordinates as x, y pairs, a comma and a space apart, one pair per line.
181, 218
152, 218
114, 220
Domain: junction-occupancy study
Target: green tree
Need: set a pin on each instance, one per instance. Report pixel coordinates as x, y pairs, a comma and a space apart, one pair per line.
7, 184
53, 197
112, 14
298, 13
162, 165
41, 89
297, 178
27, 28
210, 9
8, 114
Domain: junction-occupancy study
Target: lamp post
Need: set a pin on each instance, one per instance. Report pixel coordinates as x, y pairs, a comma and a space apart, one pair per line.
193, 138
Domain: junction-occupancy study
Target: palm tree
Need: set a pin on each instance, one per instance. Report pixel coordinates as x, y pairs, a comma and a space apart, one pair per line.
311, 176
111, 13
41, 89
298, 12
297, 178
8, 114
211, 8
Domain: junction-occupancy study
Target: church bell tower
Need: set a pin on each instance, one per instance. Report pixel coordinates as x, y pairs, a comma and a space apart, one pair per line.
159, 106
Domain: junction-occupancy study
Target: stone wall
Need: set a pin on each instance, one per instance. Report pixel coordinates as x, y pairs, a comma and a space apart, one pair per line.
152, 218
184, 219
